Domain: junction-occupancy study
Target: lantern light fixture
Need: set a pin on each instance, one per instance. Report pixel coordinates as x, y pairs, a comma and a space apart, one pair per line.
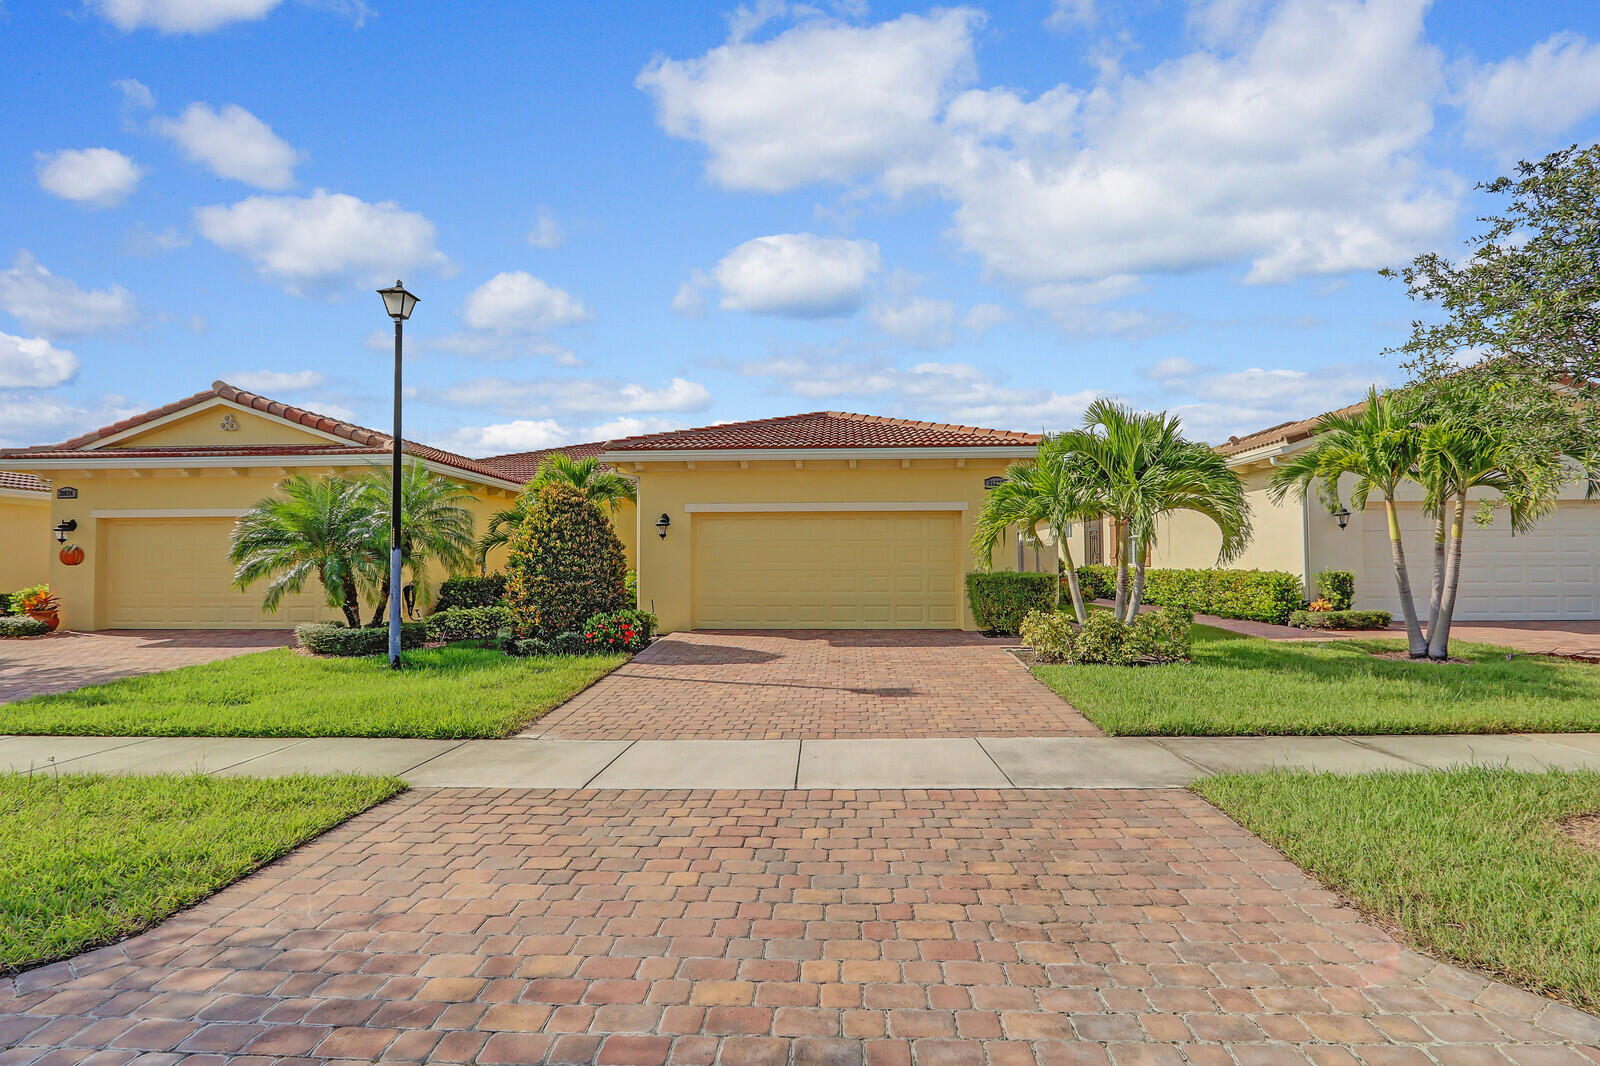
397, 301
61, 529
1342, 516
662, 525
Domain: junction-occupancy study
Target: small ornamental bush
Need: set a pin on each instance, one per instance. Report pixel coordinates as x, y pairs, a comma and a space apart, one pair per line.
564, 564
1338, 587
1163, 635
630, 583
467, 623
1097, 581
21, 625
486, 591
1258, 595
1340, 619
1318, 606
1049, 634
1001, 599
5, 603
626, 631
1103, 639
569, 643
323, 638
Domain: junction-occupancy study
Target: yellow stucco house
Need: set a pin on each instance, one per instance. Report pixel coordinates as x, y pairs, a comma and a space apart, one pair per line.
24, 526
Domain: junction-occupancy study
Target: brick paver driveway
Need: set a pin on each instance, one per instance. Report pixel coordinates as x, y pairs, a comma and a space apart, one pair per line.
65, 661
977, 928
817, 685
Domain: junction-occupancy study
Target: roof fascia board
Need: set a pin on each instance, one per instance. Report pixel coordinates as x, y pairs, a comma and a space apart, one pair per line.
87, 461
39, 495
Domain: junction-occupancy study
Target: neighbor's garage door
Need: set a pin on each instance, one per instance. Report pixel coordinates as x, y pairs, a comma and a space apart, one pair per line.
1551, 573
173, 573
827, 571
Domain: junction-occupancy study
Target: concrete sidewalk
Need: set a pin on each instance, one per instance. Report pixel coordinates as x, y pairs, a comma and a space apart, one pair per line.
983, 762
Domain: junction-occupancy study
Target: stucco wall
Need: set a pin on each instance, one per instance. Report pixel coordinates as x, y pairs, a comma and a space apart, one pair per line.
1277, 542
29, 546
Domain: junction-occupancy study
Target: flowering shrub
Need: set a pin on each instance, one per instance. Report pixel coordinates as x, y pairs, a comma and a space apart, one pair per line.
563, 564
1319, 605
35, 598
618, 631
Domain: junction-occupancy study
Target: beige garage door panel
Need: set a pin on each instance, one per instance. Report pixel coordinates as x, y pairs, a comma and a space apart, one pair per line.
173, 573
827, 571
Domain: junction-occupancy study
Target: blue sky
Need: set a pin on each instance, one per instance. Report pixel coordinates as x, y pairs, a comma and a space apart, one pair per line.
628, 217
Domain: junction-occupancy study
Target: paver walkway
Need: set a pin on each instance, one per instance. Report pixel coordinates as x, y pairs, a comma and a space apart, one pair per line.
1000, 928
819, 685
67, 660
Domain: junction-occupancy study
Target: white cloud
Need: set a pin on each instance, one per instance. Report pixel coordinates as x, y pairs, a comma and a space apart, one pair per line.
34, 363
981, 318
323, 241
691, 300
1171, 369
546, 231
632, 426
534, 434
94, 177
916, 321
820, 102
55, 306
142, 240
271, 381
796, 274
46, 420
517, 302
135, 93
1219, 404
572, 396
1065, 13
1527, 99
233, 143
179, 16
1079, 308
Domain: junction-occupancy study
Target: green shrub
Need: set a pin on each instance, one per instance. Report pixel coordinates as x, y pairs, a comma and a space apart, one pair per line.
619, 631
1103, 639
5, 603
563, 565
1050, 634
467, 623
1338, 587
511, 644
1340, 619
569, 642
1097, 581
1163, 635
486, 591
1259, 595
1001, 599
324, 638
20, 625
630, 583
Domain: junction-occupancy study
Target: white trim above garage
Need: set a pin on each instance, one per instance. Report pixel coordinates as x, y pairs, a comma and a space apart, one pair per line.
873, 505
169, 512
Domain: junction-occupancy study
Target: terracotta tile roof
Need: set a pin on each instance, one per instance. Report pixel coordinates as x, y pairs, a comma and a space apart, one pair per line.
825, 429
19, 482
1283, 432
521, 466
365, 439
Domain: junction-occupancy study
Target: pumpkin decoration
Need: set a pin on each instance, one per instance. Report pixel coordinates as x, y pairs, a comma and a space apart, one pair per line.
71, 555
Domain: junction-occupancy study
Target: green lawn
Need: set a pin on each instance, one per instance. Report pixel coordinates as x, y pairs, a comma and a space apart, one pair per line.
1467, 863
86, 860
1246, 685
454, 691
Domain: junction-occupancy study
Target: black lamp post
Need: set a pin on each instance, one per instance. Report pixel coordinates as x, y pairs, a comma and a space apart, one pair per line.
398, 302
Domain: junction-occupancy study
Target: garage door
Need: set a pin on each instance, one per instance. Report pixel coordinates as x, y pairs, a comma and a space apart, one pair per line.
173, 573
827, 571
1551, 573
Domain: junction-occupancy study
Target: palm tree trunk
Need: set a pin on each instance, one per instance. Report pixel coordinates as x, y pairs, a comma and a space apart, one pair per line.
1439, 633
1402, 579
1073, 588
352, 602
1136, 597
1436, 590
1121, 531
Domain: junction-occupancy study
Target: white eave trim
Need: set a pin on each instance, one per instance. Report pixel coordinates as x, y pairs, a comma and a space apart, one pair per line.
88, 461
872, 505
786, 455
1264, 453
169, 512
39, 495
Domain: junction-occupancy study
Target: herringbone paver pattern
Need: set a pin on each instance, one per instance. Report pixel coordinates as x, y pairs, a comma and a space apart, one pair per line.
984, 928
816, 685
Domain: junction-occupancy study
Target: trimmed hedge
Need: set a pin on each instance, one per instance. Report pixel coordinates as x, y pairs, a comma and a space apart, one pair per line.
1159, 636
1001, 599
325, 638
1097, 582
467, 623
486, 591
1338, 587
561, 644
1257, 595
563, 564
20, 625
1341, 619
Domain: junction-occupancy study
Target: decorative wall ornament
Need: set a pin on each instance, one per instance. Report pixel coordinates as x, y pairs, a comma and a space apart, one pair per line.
229, 423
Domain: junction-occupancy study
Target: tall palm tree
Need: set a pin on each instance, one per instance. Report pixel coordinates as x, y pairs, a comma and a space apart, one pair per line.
1047, 491
1380, 447
322, 527
1142, 470
599, 483
434, 524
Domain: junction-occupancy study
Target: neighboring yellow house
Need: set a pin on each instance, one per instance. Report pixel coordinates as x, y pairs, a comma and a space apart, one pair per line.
25, 531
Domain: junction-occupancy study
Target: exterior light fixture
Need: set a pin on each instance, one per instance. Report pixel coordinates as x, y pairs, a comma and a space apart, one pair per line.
662, 524
398, 303
61, 529
1342, 516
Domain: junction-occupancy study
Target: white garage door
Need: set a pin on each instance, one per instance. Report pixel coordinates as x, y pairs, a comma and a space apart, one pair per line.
827, 571
173, 573
1551, 573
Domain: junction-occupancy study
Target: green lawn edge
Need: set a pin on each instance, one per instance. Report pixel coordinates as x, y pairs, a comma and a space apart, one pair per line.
1251, 686
1465, 865
88, 860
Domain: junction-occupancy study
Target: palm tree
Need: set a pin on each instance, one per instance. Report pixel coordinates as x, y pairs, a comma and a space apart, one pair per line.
599, 483
1141, 469
1380, 447
1047, 491
434, 524
321, 526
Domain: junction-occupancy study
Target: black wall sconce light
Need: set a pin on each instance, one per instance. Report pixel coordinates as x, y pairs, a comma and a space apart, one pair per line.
1342, 516
662, 525
61, 529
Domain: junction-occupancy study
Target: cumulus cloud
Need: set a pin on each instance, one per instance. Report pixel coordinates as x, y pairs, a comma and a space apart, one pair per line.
569, 397
271, 381
1215, 405
324, 241
1527, 99
516, 301
93, 177
57, 307
179, 16
45, 419
535, 434
234, 144
799, 275
913, 320
547, 231
34, 363
135, 93
981, 318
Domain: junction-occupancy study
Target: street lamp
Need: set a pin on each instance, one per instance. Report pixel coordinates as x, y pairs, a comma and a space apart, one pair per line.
398, 302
